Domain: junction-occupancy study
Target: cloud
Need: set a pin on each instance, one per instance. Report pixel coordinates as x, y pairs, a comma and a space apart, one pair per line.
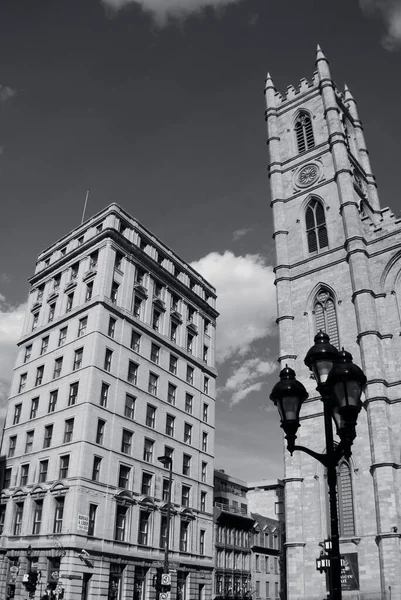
239, 233
390, 11
6, 93
243, 378
163, 10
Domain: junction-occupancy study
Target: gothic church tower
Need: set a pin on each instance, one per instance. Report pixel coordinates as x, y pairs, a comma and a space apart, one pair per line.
338, 269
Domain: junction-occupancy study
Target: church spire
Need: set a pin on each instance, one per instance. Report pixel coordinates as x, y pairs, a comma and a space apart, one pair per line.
270, 92
322, 64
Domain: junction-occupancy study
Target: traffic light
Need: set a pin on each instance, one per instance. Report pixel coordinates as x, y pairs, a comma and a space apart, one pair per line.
32, 581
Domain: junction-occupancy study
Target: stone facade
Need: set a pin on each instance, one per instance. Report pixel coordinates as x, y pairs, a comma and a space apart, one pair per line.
355, 261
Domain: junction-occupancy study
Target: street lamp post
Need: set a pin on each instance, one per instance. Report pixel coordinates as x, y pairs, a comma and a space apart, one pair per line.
167, 460
340, 384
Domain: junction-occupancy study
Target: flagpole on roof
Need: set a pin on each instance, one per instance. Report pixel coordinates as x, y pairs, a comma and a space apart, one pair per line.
86, 202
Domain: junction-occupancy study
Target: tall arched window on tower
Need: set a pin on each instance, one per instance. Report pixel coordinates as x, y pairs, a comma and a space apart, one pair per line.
324, 309
304, 132
345, 500
316, 229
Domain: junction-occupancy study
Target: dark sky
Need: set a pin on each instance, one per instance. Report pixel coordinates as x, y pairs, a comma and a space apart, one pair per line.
169, 123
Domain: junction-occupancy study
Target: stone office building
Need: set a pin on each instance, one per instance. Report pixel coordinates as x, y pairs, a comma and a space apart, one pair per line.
115, 368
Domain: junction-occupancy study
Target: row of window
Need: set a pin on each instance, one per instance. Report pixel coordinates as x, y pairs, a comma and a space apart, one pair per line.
37, 516
266, 539
68, 305
268, 589
266, 564
232, 560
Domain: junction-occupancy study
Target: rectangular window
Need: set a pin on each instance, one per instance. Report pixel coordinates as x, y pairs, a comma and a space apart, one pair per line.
24, 475
29, 441
52, 401
129, 406
188, 403
206, 326
34, 408
93, 258
99, 228
276, 592
175, 303
114, 292
205, 354
157, 290
143, 533
165, 490
70, 301
137, 307
58, 515
190, 314
171, 393
43, 468
169, 452
19, 509
187, 433
185, 492
140, 276
89, 291
47, 440
104, 394
267, 567
39, 375
121, 517
7, 478
118, 261
28, 352
170, 425
2, 517
107, 359
74, 271
100, 431
257, 563
82, 326
64, 464
155, 353
190, 375
97, 462
73, 393
203, 498
112, 327
37, 517
57, 279
58, 365
186, 464
152, 386
204, 441
135, 340
190, 342
35, 320
184, 529
123, 477
173, 364
257, 589
150, 416
132, 375
22, 382
78, 354
148, 450
92, 519
17, 414
204, 472
173, 331
41, 290
126, 441
11, 446
202, 535
156, 319
276, 565
205, 412
68, 431
44, 345
52, 310
146, 487
62, 336
163, 531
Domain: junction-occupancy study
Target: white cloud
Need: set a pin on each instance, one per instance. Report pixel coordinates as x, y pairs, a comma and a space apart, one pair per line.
243, 379
390, 11
6, 93
239, 233
162, 10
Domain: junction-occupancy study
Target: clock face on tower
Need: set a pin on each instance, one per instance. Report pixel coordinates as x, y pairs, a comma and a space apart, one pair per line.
308, 175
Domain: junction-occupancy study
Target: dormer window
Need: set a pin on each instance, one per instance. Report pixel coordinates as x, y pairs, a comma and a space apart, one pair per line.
304, 132
316, 229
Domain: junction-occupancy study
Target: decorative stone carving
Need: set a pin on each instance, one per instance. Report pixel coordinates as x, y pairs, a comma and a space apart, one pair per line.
308, 175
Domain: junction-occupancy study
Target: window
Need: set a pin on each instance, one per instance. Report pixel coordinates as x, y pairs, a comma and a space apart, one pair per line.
118, 261
28, 352
170, 425
169, 452
163, 531
325, 312
186, 464
22, 382
148, 450
276, 564
257, 563
24, 475
146, 484
188, 403
80, 240
37, 517
89, 291
204, 441
126, 441
82, 326
187, 433
92, 519
203, 497
205, 415
58, 365
204, 472
99, 228
64, 464
56, 283
143, 532
104, 394
52, 401
62, 336
29, 441
58, 515
257, 589
152, 386
129, 406
135, 340
155, 353
121, 514
35, 320
165, 490
78, 354
68, 431
157, 290
52, 309
2, 517
74, 271
185, 493
184, 528
48, 436
190, 314
44, 345
156, 318
202, 535
173, 331
173, 364
112, 327
97, 461
316, 230
93, 258
107, 359
267, 567
137, 307
34, 408
276, 591
132, 372
7, 478
39, 375
41, 290
114, 292
17, 413
175, 303
43, 468
345, 500
11, 446
100, 431
150, 416
123, 476
140, 276
304, 132
190, 342
70, 300
205, 353
73, 393
19, 509
171, 393
190, 375
206, 326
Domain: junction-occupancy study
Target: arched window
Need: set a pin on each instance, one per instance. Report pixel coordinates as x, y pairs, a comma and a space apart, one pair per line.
345, 500
316, 230
304, 132
325, 316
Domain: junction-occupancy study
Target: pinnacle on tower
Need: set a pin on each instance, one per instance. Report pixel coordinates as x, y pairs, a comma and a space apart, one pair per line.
347, 94
269, 82
322, 65
320, 54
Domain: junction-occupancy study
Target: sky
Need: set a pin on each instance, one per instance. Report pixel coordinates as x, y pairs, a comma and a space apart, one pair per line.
158, 105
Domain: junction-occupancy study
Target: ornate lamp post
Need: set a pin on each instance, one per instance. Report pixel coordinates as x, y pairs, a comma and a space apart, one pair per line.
340, 384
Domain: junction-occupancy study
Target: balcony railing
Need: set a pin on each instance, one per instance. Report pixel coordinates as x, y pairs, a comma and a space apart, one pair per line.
238, 510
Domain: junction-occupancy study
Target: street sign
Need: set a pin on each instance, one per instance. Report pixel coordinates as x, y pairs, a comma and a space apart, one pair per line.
166, 579
165, 596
